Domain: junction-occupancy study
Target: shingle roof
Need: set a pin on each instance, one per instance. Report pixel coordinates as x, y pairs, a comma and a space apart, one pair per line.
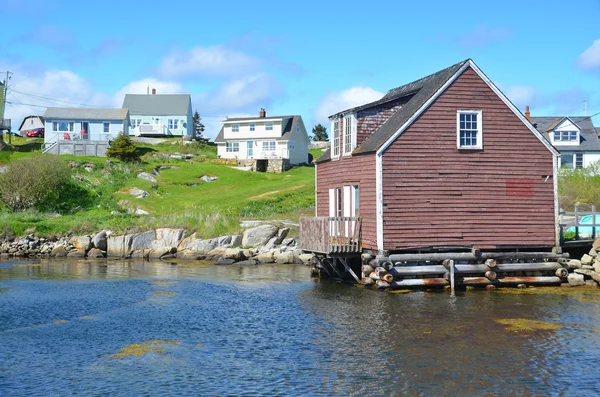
230, 119
288, 126
86, 114
155, 104
588, 135
416, 94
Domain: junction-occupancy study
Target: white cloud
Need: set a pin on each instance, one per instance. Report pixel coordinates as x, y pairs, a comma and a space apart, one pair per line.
521, 95
590, 58
338, 101
208, 61
143, 87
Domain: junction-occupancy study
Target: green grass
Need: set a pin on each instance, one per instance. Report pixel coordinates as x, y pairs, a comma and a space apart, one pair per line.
316, 152
20, 147
96, 199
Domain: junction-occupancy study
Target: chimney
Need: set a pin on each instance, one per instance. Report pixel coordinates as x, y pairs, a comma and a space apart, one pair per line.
527, 114
263, 113
154, 91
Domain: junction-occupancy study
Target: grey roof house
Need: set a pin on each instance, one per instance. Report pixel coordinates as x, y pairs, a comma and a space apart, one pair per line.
83, 131
160, 115
575, 137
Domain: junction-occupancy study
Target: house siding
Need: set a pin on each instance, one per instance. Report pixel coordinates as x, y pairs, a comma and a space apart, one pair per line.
357, 170
435, 195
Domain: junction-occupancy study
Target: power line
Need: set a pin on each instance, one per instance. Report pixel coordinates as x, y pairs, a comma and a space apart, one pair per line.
56, 100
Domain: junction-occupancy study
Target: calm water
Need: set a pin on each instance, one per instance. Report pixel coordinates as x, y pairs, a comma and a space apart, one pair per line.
271, 331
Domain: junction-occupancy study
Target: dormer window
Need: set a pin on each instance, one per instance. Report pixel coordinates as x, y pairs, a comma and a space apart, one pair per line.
565, 136
347, 134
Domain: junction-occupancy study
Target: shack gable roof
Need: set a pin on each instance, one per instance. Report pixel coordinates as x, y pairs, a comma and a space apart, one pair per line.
40, 118
588, 135
158, 104
101, 114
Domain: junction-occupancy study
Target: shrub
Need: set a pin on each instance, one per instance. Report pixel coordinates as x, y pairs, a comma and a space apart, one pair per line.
27, 181
123, 148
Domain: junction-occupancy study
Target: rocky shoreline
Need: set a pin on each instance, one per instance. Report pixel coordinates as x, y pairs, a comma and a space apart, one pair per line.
258, 245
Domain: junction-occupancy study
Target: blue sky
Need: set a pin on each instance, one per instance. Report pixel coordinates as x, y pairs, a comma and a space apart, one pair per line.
309, 58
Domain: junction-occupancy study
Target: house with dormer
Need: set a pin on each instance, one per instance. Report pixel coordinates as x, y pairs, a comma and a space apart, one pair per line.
575, 138
266, 143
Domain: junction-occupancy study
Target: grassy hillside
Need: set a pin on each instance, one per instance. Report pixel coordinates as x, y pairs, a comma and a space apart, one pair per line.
99, 195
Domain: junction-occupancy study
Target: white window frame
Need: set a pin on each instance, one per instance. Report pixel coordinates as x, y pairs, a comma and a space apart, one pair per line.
578, 160
173, 124
348, 132
566, 136
135, 123
68, 124
252, 127
235, 128
269, 146
104, 124
268, 126
291, 145
335, 146
479, 131
232, 147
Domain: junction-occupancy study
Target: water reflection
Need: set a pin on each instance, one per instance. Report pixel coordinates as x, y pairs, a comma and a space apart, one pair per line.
270, 330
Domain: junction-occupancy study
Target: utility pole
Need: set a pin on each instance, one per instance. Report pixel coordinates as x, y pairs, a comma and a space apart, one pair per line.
4, 94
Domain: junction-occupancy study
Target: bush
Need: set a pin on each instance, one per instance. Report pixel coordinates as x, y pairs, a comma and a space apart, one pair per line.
27, 181
123, 148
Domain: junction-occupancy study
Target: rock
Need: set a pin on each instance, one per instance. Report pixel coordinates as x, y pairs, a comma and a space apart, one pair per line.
575, 279
223, 240
234, 253
596, 243
588, 267
138, 254
95, 253
76, 254
167, 237
59, 251
265, 258
288, 242
259, 235
247, 262
591, 284
99, 240
586, 260
282, 234
162, 252
140, 241
593, 253
236, 240
306, 258
119, 246
81, 242
574, 264
198, 245
147, 176
597, 266
139, 211
224, 262
284, 258
207, 178
596, 277
190, 255
585, 272
138, 193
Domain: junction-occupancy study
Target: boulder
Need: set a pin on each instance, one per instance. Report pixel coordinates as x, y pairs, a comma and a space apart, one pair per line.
59, 251
190, 255
265, 258
224, 262
585, 272
587, 260
597, 266
119, 246
207, 178
306, 258
596, 243
139, 211
162, 252
198, 245
139, 254
284, 258
236, 240
223, 240
81, 242
288, 242
146, 176
234, 253
281, 235
574, 264
142, 241
591, 284
167, 237
575, 279
593, 252
138, 193
78, 253
259, 235
247, 262
99, 240
596, 277
95, 253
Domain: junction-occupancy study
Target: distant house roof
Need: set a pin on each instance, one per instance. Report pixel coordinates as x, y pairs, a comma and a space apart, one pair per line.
234, 119
155, 104
588, 140
41, 118
287, 129
86, 114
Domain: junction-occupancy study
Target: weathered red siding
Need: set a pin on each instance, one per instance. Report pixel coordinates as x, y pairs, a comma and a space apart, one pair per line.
351, 170
436, 195
371, 119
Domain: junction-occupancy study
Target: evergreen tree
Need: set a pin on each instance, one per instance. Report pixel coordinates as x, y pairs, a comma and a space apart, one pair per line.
198, 127
320, 133
123, 149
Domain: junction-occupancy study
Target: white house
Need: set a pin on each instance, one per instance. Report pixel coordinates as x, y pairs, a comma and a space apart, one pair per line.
266, 143
159, 115
575, 138
30, 123
83, 131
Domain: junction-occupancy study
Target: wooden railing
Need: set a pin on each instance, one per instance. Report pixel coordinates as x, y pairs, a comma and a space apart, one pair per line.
582, 223
330, 234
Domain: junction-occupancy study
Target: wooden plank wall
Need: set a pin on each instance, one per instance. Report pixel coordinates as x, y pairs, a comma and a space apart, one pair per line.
356, 170
436, 195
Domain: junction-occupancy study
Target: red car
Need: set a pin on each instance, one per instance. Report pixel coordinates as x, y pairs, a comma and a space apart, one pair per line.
35, 133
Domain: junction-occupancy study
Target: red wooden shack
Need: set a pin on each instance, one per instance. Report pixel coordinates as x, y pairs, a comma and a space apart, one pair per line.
445, 162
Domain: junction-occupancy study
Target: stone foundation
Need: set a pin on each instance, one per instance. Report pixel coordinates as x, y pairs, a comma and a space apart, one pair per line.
275, 166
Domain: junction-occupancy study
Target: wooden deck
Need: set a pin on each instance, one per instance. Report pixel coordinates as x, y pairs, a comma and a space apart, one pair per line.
330, 235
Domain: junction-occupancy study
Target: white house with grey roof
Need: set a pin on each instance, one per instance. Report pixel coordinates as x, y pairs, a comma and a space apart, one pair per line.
160, 115
575, 138
273, 143
83, 131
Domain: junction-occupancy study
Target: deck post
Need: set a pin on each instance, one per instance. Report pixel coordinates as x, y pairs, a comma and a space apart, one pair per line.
451, 264
593, 222
576, 221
